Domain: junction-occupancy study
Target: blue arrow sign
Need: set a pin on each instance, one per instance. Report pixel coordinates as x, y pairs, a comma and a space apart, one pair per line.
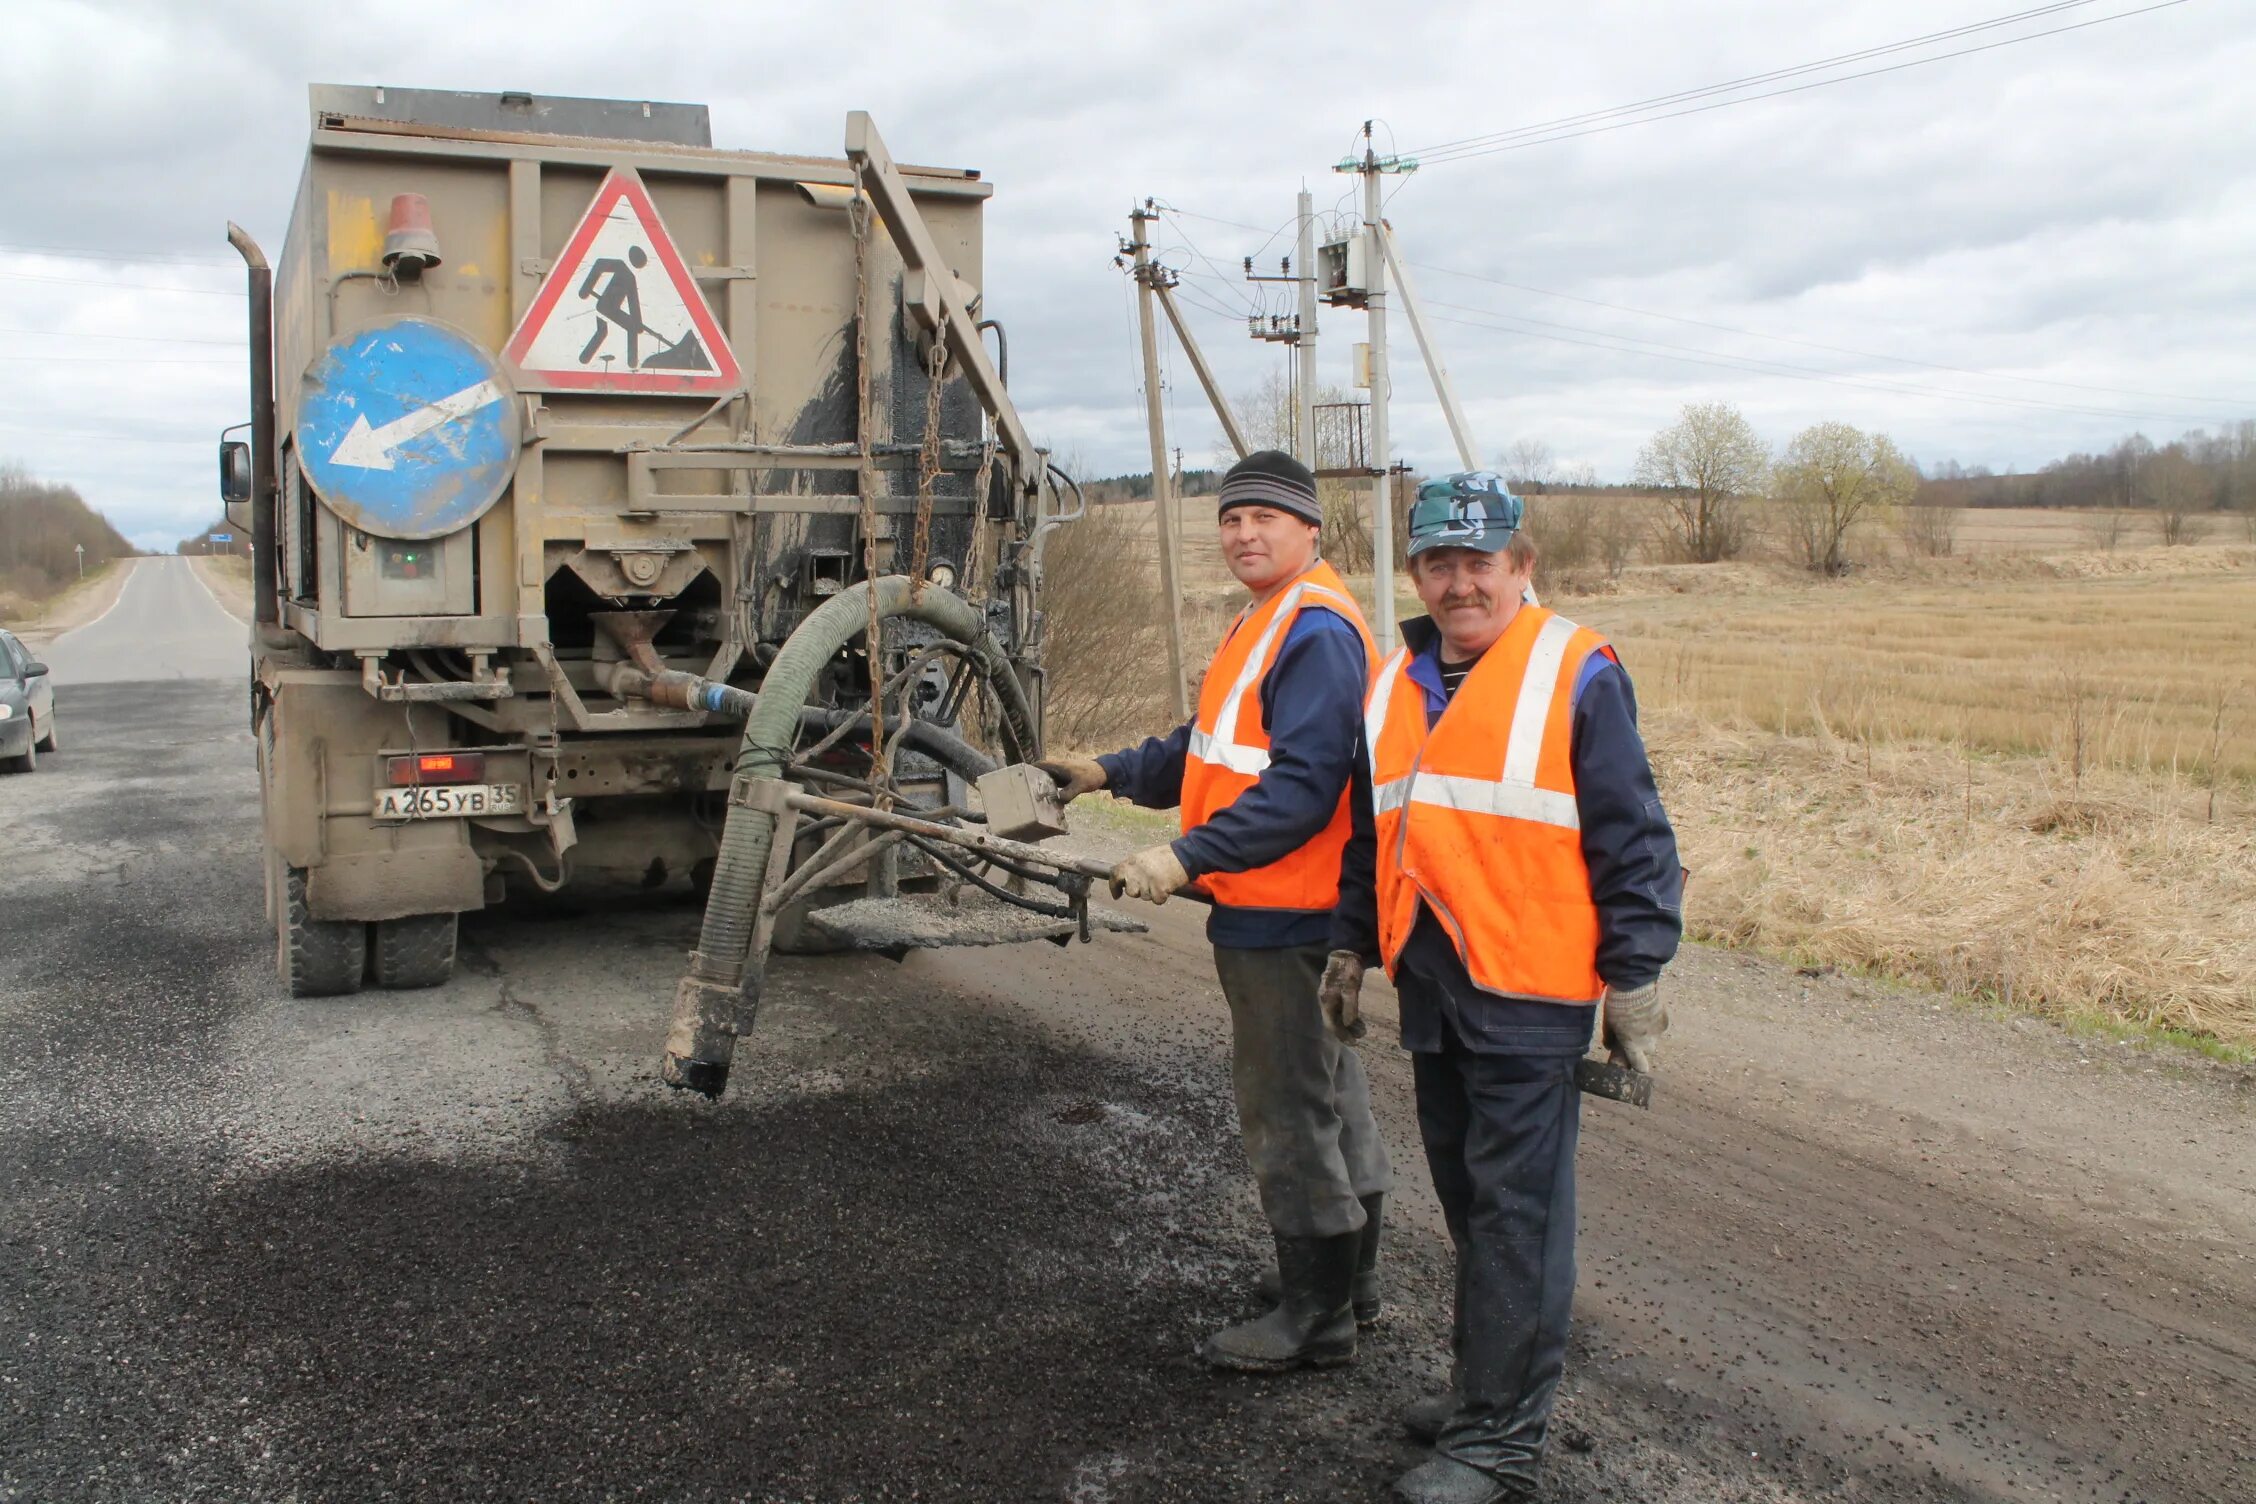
407, 429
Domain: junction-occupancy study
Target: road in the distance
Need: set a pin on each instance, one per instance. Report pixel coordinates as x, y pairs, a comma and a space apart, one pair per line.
165, 624
959, 1221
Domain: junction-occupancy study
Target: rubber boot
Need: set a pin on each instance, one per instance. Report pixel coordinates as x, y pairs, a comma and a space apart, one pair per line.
1314, 1322
1426, 1419
1444, 1480
1370, 1293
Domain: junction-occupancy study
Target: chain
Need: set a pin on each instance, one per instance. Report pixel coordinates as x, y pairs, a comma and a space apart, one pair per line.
866, 482
976, 555
928, 465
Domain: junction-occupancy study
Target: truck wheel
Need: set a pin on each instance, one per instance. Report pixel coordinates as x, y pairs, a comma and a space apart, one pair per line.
52, 741
414, 952
319, 957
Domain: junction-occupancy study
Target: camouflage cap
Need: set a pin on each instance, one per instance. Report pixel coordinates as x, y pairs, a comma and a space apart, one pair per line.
1471, 509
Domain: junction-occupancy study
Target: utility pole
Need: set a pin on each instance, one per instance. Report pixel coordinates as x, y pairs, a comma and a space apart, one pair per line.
1371, 168
1163, 501
1304, 348
1298, 332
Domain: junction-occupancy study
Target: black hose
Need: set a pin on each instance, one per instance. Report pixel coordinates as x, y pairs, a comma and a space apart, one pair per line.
724, 976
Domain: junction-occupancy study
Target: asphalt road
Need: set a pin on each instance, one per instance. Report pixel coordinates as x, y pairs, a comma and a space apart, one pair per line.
165, 624
958, 1223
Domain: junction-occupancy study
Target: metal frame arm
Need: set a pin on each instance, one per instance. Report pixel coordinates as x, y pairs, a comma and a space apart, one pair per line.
935, 295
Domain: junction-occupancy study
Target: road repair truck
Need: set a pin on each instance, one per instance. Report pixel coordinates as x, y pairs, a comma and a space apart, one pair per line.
586, 461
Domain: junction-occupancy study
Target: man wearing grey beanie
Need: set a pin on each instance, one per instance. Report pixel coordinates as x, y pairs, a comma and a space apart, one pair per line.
1262, 774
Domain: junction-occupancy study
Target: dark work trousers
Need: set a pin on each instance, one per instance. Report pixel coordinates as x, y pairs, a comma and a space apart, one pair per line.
1304, 1106
1500, 1132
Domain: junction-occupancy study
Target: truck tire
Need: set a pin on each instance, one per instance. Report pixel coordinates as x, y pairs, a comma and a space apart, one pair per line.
414, 952
319, 957
52, 741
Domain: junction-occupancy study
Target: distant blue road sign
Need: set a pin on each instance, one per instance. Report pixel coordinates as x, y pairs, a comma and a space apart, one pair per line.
408, 429
222, 537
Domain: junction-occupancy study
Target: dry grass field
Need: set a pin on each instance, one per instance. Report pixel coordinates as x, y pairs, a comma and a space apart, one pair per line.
2025, 773
2025, 777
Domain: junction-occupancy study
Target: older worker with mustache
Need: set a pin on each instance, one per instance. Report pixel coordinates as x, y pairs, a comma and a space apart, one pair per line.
1512, 867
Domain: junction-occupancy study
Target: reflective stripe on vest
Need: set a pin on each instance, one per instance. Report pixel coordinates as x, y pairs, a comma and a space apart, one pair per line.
1214, 746
1496, 855
1229, 749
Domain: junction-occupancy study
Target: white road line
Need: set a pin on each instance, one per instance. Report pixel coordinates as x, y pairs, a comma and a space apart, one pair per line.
132, 573
198, 576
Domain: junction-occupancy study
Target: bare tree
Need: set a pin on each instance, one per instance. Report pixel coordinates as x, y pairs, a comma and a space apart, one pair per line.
2106, 528
1529, 466
2176, 488
1930, 527
1266, 414
1104, 640
1705, 465
1833, 481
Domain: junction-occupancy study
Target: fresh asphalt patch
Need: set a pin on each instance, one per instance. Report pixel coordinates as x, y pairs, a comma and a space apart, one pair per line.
459, 1245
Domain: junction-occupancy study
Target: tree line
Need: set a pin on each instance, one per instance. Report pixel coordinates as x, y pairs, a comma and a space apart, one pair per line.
2198, 471
42, 528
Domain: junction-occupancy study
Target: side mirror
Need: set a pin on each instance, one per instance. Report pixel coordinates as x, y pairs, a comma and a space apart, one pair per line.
35, 670
234, 472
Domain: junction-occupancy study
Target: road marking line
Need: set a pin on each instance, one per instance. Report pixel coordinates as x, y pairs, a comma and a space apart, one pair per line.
132, 573
198, 576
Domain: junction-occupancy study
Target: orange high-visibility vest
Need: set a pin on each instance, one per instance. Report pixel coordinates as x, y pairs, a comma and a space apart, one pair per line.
1476, 818
1229, 748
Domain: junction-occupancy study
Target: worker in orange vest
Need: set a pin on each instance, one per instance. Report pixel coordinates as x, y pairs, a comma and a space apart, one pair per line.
1512, 868
1262, 774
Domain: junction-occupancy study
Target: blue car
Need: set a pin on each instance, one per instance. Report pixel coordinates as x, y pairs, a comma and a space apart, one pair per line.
27, 707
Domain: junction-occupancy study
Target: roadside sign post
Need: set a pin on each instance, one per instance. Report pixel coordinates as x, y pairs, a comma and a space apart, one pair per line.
80, 550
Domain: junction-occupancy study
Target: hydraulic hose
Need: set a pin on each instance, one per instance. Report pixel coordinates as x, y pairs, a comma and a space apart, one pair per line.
679, 691
724, 977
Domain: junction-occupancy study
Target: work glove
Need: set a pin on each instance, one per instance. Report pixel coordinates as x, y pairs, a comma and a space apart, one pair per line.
1150, 875
1074, 776
1636, 1019
1341, 995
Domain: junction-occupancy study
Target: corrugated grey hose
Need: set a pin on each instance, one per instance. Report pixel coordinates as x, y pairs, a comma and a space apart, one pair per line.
723, 976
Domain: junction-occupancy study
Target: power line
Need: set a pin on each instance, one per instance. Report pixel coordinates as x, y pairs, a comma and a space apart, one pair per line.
137, 361
1674, 318
2226, 401
1597, 130
214, 292
1838, 59
86, 253
1507, 324
140, 339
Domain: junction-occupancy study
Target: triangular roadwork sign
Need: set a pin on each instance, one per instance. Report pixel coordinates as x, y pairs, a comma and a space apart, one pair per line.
619, 311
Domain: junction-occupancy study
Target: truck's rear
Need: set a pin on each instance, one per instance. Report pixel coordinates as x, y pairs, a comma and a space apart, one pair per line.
559, 391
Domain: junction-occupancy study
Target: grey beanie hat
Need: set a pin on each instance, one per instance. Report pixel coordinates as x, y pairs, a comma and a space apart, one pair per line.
1272, 478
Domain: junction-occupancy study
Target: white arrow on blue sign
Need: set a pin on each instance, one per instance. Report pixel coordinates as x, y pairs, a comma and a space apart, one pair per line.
408, 429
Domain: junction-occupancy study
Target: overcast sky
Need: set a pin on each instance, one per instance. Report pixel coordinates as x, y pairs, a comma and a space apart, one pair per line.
2068, 222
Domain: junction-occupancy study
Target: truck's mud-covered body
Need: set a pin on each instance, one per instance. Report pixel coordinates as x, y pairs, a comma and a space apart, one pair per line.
509, 455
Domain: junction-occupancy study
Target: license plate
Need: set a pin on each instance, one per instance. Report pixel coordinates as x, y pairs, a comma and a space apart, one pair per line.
434, 801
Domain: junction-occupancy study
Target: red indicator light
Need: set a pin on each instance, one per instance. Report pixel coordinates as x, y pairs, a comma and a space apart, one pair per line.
435, 767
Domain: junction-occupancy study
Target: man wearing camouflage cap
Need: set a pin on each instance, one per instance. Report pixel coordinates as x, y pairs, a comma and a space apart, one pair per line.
1511, 866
